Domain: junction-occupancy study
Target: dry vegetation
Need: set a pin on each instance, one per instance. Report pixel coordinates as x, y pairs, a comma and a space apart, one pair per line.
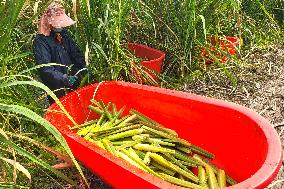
260, 87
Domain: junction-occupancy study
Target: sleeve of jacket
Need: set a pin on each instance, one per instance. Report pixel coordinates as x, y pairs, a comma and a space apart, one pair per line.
77, 56
42, 52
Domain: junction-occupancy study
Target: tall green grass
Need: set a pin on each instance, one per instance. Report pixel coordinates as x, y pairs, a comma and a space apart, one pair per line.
262, 21
180, 28
100, 29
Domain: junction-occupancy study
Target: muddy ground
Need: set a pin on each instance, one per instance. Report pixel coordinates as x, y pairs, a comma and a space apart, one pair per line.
260, 87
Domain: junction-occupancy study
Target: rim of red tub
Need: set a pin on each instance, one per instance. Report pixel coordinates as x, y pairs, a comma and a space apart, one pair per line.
264, 175
161, 53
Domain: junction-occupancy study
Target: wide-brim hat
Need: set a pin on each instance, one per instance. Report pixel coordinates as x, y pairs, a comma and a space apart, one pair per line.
54, 16
61, 21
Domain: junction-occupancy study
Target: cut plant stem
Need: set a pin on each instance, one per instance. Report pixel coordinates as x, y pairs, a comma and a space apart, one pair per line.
130, 144
129, 160
147, 158
175, 161
186, 158
105, 109
117, 116
202, 176
180, 182
205, 162
95, 102
212, 180
132, 154
159, 141
122, 142
125, 134
184, 149
99, 143
128, 120
131, 127
101, 120
165, 135
221, 178
153, 140
107, 130
201, 151
114, 110
83, 125
109, 147
152, 148
159, 128
164, 169
151, 123
97, 110
187, 163
159, 159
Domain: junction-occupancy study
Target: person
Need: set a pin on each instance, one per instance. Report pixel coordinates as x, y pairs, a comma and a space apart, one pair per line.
53, 44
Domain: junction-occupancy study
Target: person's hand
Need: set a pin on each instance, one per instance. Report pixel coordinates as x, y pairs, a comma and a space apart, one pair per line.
70, 81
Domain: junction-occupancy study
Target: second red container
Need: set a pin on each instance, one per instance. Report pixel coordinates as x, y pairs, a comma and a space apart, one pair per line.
154, 59
226, 44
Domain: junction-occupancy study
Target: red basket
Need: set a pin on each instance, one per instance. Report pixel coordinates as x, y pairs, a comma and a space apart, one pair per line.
227, 44
245, 144
154, 60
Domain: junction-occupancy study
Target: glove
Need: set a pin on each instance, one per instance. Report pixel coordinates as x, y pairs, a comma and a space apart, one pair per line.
70, 81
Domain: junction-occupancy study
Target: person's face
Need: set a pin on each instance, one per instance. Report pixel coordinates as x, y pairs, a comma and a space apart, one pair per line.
57, 30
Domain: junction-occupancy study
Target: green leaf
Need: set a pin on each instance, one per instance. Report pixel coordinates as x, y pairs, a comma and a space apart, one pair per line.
43, 87
36, 118
34, 158
19, 167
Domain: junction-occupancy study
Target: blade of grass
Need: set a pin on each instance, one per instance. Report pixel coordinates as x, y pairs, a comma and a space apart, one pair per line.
18, 167
34, 158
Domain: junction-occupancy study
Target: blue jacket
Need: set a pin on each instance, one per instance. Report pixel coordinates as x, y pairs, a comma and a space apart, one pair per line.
48, 50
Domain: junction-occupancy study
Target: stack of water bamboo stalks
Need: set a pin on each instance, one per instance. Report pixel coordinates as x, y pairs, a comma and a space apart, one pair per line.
151, 147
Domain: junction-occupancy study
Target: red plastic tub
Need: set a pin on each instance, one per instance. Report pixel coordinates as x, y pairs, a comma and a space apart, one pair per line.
154, 58
245, 144
227, 44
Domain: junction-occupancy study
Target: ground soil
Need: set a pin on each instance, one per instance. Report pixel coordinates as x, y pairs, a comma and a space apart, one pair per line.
260, 87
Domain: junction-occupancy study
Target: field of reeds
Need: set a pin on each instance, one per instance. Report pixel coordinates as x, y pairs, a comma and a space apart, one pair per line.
180, 28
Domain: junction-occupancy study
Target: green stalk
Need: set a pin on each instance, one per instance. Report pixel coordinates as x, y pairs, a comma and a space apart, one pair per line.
109, 147
160, 133
162, 161
221, 178
125, 134
152, 148
202, 176
151, 123
202, 152
205, 162
212, 180
162, 168
180, 182
186, 158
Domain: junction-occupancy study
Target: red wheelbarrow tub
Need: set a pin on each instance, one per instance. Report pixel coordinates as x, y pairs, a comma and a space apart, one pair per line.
245, 144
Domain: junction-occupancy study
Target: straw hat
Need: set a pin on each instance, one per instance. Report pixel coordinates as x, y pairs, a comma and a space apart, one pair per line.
55, 17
